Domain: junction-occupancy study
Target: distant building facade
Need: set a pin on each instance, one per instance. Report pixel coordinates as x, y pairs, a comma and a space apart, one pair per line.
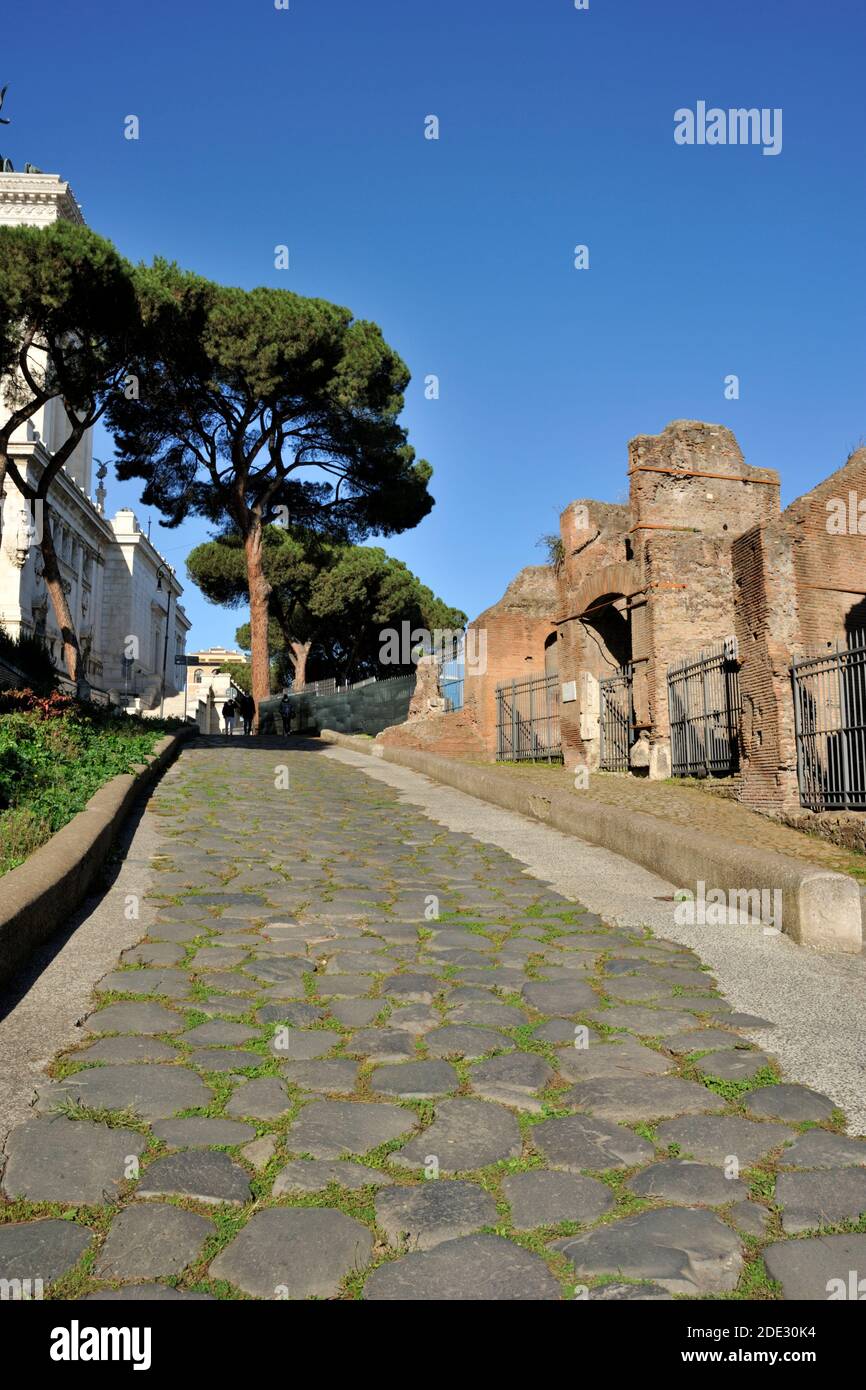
208, 686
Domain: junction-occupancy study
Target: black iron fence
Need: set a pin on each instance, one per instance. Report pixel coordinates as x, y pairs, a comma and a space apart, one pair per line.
704, 706
616, 720
830, 724
527, 720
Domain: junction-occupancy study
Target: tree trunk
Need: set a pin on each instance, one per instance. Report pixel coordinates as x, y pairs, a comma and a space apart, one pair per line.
300, 651
259, 592
57, 594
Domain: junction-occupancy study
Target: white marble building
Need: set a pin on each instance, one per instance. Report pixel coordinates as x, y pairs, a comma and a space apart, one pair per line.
123, 595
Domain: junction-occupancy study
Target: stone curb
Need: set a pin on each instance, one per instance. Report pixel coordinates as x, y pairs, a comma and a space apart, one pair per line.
819, 908
39, 896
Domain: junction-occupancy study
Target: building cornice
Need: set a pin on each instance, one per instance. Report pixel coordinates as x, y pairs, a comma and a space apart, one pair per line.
37, 198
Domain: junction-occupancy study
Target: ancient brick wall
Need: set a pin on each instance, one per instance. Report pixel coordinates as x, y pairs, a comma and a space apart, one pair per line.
766, 627
512, 635
829, 552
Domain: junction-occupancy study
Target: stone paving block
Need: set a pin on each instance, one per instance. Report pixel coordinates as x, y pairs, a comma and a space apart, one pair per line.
125, 1048
823, 1197
629, 1099
464, 1040
542, 1198
478, 1268
685, 1250
355, 1013
465, 1134
688, 1182
316, 1174
172, 984
486, 1014
789, 1102
561, 1032
40, 1250
150, 1090
715, 1138
128, 1016
343, 986
512, 1080
294, 1015
415, 1080
625, 1057
220, 1033
203, 1174
300, 1253
278, 971
208, 958
383, 1045
68, 1161
152, 1241
331, 1128
561, 997
153, 953
262, 1098
232, 982
648, 1023
819, 1148
259, 1152
175, 931
336, 1076
419, 1217
412, 989
577, 1142
223, 1004
733, 1066
637, 987
297, 1045
819, 1268
416, 1019
750, 1217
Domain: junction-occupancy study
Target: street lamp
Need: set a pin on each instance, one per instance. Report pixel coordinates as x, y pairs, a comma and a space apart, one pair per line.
163, 570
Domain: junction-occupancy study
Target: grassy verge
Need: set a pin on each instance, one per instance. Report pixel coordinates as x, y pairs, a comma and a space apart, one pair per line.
54, 754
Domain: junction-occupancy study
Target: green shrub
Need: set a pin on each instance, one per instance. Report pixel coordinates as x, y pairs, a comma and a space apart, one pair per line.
52, 763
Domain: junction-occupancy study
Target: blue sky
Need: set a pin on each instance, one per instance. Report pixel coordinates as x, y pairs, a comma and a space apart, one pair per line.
306, 127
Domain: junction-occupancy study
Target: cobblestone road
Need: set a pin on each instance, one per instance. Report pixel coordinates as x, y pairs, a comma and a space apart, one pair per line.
359, 1055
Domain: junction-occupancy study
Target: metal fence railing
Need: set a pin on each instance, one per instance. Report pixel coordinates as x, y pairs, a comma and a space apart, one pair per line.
616, 720
527, 720
704, 707
830, 726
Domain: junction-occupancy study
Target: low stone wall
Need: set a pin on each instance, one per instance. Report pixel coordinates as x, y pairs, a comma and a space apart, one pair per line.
41, 894
845, 828
359, 709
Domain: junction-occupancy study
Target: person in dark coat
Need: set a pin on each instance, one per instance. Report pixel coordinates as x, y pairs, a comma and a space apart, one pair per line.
286, 714
229, 712
247, 707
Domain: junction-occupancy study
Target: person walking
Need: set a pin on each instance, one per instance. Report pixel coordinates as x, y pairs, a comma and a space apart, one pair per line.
286, 714
229, 712
247, 707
